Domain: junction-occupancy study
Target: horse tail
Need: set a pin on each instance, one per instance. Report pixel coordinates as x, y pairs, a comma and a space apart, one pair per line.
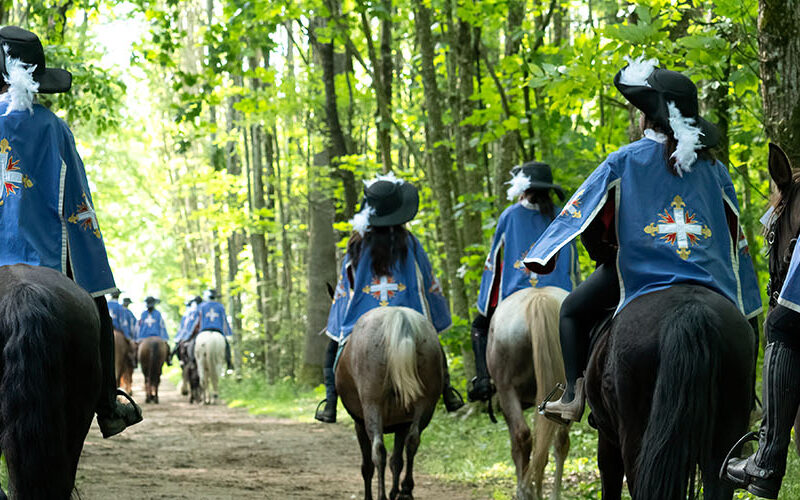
32, 396
679, 429
542, 313
154, 368
401, 329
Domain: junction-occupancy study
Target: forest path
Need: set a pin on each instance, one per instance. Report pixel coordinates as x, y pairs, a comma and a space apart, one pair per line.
215, 452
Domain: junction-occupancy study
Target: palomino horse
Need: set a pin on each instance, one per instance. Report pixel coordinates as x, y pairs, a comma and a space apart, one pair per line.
124, 356
524, 359
389, 377
669, 391
49, 343
783, 231
209, 351
152, 354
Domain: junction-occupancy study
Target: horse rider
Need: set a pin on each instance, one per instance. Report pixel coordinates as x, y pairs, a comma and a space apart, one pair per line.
503, 273
385, 265
657, 212
130, 319
46, 211
122, 322
186, 320
211, 316
151, 324
762, 472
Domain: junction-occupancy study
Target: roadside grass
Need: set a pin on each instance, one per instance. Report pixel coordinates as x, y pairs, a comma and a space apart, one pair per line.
465, 448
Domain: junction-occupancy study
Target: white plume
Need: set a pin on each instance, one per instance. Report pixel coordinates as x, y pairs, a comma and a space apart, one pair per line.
637, 71
360, 221
21, 85
386, 177
688, 137
519, 184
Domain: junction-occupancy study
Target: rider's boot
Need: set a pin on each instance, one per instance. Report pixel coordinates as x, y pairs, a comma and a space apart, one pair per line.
761, 473
569, 408
328, 413
112, 416
481, 387
228, 357
451, 398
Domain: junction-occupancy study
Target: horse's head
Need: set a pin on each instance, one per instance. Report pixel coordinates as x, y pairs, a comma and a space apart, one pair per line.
784, 224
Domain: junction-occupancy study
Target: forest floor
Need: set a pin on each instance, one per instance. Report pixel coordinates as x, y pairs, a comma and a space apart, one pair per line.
215, 452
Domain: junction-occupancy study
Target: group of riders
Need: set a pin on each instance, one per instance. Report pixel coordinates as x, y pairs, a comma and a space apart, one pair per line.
658, 212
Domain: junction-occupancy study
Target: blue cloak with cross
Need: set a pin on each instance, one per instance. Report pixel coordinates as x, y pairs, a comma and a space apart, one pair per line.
151, 324
790, 292
670, 229
130, 318
517, 230
119, 318
47, 216
187, 319
410, 284
210, 315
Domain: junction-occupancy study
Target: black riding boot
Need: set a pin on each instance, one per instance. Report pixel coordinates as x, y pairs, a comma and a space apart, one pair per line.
228, 357
112, 416
761, 473
328, 413
450, 397
481, 387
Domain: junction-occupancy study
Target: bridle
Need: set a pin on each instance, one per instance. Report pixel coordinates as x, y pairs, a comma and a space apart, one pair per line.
779, 264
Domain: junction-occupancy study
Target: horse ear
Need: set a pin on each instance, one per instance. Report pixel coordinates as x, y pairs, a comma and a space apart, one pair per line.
779, 168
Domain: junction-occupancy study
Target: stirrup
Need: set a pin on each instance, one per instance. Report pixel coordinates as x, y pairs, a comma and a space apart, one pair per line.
552, 416
750, 436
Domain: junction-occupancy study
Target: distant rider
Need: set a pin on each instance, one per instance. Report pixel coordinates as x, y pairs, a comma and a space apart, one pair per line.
151, 324
211, 316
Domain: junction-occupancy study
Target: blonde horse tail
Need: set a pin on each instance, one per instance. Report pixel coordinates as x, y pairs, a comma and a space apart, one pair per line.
548, 365
401, 328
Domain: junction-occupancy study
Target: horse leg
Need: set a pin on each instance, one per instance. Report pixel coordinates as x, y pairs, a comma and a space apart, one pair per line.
521, 442
544, 431
412, 444
561, 451
367, 467
374, 424
396, 462
612, 468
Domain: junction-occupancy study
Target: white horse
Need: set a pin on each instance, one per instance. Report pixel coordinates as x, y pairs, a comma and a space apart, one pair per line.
524, 359
209, 351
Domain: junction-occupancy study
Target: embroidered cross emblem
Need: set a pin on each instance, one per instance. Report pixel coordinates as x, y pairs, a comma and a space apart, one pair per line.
436, 287
150, 321
533, 278
10, 175
679, 228
744, 248
571, 208
383, 289
340, 290
212, 315
86, 217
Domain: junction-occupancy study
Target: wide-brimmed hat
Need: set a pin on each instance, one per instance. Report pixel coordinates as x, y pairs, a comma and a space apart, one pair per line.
126, 301
670, 99
20, 44
532, 175
151, 300
388, 201
211, 294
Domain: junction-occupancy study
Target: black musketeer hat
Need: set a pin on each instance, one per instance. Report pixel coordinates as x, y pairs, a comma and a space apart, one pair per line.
388, 201
532, 175
21, 44
653, 89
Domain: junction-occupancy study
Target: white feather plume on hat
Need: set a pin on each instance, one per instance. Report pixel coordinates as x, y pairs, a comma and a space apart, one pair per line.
518, 185
637, 71
21, 85
360, 221
390, 177
688, 137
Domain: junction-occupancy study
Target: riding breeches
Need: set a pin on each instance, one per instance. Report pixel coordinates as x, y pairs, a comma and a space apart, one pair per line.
783, 325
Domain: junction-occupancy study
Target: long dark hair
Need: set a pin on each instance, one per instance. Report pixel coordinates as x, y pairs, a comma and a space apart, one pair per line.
672, 144
542, 198
386, 245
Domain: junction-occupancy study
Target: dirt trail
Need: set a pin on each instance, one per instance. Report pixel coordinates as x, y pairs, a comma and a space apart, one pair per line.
216, 452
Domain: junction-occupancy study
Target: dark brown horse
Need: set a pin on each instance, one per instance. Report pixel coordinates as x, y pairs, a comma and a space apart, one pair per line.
784, 229
670, 390
124, 355
524, 359
152, 355
389, 377
50, 365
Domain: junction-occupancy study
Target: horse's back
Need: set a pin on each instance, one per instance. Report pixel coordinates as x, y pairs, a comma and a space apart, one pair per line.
362, 374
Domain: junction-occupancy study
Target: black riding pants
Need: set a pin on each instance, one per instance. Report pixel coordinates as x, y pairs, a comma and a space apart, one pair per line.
589, 303
108, 382
783, 325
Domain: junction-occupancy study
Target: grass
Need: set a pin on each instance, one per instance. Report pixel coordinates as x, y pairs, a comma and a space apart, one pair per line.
465, 448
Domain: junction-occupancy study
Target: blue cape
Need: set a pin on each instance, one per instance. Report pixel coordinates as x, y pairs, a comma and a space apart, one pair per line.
119, 318
410, 284
670, 229
211, 316
790, 293
47, 215
517, 230
187, 319
152, 325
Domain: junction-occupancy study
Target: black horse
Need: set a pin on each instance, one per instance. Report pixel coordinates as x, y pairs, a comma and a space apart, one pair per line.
50, 382
670, 388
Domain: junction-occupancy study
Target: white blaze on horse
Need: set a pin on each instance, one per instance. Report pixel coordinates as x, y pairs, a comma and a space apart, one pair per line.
390, 376
209, 351
524, 359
